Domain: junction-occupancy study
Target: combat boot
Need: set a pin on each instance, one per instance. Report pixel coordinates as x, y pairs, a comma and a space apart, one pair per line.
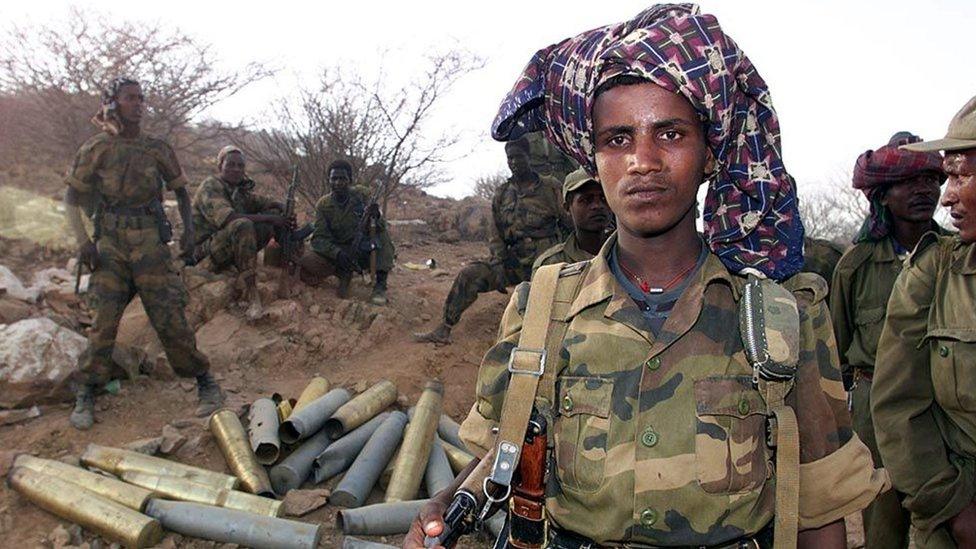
379, 289
440, 334
83, 416
342, 292
210, 395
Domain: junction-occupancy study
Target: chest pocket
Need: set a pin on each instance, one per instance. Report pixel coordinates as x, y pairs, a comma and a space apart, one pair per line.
952, 355
582, 431
131, 177
731, 454
869, 322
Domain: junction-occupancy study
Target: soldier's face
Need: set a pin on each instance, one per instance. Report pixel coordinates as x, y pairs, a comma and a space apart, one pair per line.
650, 156
960, 191
518, 162
339, 181
232, 170
130, 101
915, 199
589, 209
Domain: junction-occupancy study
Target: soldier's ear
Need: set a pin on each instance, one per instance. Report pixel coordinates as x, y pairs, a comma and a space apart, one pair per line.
709, 169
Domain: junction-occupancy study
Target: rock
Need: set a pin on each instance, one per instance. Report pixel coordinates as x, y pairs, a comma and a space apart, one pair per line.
172, 441
426, 317
450, 236
59, 537
12, 310
9, 417
37, 358
13, 287
184, 423
284, 311
187, 385
303, 502
314, 310
195, 445
7, 460
132, 360
148, 446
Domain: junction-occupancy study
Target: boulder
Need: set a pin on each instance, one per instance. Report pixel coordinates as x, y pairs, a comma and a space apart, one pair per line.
13, 287
37, 357
12, 310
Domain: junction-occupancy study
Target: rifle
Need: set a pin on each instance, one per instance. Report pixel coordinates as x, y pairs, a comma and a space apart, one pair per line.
363, 231
288, 246
476, 498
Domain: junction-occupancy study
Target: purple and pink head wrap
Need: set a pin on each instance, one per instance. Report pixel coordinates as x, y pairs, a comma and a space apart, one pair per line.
751, 217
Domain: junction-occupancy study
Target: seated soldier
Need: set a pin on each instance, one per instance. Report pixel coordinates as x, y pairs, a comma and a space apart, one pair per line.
583, 198
233, 223
337, 248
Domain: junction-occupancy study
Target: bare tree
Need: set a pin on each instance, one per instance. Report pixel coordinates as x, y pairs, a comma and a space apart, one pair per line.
58, 69
485, 185
382, 128
835, 211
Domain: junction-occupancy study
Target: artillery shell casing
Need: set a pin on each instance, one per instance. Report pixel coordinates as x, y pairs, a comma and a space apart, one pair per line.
317, 387
341, 453
438, 475
381, 519
263, 431
458, 458
349, 542
116, 460
362, 475
101, 515
361, 409
131, 496
496, 523
233, 526
388, 470
294, 469
285, 408
303, 424
232, 440
186, 490
417, 441
448, 430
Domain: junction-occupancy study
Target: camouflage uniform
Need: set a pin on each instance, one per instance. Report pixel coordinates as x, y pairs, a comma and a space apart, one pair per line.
236, 242
335, 228
924, 394
546, 159
132, 258
566, 252
661, 441
821, 256
528, 220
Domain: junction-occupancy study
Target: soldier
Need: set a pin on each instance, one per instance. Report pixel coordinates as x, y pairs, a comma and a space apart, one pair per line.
233, 223
528, 219
903, 190
658, 412
821, 256
546, 159
587, 206
924, 393
121, 169
338, 218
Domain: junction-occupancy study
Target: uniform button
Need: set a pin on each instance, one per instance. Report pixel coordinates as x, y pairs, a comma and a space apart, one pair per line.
648, 517
943, 351
567, 403
744, 407
653, 363
649, 438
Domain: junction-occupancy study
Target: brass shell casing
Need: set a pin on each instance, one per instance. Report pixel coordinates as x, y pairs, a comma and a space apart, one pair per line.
234, 444
186, 490
417, 441
458, 458
315, 388
88, 509
131, 496
361, 408
116, 460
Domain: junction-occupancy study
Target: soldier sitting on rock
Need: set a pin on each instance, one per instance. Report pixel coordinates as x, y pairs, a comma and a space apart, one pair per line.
587, 205
234, 223
337, 248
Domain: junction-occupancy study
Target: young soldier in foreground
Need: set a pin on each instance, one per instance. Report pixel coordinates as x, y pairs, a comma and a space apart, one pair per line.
924, 393
903, 189
583, 198
659, 417
121, 169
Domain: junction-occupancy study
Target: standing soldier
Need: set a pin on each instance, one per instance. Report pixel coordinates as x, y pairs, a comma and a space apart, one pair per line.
338, 222
583, 198
528, 219
546, 159
121, 170
234, 223
924, 394
669, 425
903, 190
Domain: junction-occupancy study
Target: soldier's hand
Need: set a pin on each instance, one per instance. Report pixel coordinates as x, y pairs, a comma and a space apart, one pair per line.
430, 522
963, 527
292, 222
88, 254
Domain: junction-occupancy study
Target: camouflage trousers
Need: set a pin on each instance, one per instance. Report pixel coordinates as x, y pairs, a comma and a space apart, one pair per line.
315, 269
133, 261
236, 244
477, 278
886, 522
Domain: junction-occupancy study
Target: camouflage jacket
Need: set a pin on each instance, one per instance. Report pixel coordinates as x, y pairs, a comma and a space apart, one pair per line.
546, 159
528, 219
924, 392
662, 441
216, 200
821, 256
336, 224
125, 171
566, 252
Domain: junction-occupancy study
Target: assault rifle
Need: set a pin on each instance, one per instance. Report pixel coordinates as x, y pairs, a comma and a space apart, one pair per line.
367, 229
288, 244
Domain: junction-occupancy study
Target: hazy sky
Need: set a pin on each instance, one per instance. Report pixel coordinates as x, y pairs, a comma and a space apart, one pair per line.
844, 75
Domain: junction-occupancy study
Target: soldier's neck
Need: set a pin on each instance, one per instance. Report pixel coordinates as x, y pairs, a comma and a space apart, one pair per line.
590, 241
908, 233
129, 130
658, 259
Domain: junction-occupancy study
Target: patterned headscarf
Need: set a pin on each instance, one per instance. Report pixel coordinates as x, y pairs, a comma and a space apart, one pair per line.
876, 171
107, 118
225, 151
751, 217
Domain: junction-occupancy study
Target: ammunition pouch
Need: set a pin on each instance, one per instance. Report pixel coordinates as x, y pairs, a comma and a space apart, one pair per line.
138, 217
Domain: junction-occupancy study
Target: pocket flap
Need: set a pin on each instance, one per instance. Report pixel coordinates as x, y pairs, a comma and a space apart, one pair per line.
869, 316
965, 335
585, 395
728, 396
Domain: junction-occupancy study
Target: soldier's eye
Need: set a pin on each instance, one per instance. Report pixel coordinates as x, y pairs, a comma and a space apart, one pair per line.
670, 135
